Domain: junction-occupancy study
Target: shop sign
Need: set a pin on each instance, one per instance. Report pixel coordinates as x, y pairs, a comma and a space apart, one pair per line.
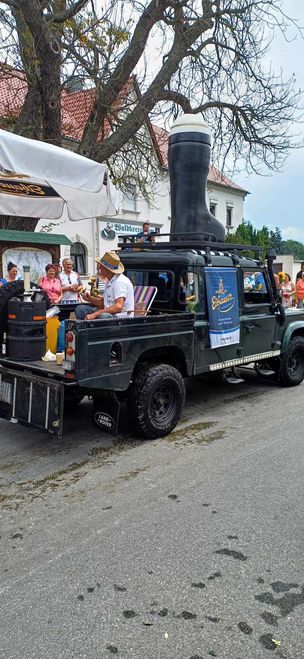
109, 230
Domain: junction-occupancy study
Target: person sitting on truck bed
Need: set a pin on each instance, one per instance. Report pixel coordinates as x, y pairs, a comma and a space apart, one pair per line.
118, 297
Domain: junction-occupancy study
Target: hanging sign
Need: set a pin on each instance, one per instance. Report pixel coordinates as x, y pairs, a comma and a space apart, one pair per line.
223, 306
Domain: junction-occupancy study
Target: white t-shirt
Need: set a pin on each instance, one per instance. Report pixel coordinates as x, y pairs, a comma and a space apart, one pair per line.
119, 286
69, 280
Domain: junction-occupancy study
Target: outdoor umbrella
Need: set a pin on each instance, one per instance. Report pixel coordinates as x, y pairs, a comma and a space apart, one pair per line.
40, 180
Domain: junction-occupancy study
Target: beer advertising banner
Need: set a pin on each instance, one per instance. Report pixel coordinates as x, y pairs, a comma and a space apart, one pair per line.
223, 306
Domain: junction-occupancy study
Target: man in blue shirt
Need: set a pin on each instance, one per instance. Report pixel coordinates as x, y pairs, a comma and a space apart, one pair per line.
145, 236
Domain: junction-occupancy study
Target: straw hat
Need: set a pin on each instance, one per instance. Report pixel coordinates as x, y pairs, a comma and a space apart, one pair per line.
111, 262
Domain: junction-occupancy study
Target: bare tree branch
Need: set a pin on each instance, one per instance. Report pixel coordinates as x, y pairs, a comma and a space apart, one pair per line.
68, 13
207, 57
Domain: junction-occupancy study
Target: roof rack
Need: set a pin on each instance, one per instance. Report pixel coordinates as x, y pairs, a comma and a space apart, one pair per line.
197, 241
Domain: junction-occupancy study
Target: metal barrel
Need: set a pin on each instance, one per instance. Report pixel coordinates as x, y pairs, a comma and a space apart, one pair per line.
26, 335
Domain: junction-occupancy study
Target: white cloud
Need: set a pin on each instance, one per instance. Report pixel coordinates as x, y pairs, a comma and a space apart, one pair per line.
293, 233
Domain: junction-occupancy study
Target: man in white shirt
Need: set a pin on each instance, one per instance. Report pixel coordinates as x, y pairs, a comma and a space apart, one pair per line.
118, 297
70, 281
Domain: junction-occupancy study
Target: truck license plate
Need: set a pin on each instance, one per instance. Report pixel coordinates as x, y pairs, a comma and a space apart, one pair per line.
6, 392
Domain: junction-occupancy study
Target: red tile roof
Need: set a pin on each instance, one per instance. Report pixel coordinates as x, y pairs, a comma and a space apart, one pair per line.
75, 108
13, 89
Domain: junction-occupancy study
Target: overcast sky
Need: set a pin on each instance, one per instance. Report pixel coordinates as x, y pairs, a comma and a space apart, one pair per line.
277, 200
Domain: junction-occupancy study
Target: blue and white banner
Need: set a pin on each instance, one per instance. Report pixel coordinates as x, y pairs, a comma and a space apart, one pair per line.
223, 306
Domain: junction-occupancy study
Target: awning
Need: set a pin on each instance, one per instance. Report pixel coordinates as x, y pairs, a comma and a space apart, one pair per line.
12, 236
40, 180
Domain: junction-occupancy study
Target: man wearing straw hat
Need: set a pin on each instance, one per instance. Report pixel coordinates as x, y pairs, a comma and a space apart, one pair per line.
118, 297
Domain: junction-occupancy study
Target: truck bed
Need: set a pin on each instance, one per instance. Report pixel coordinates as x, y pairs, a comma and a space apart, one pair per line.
49, 369
33, 392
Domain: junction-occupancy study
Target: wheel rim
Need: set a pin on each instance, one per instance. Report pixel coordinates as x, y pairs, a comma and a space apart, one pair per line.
162, 405
295, 363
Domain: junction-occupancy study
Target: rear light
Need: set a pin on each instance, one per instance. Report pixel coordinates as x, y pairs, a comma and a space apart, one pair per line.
70, 347
70, 376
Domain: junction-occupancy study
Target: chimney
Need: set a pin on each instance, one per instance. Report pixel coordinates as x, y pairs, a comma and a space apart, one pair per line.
189, 159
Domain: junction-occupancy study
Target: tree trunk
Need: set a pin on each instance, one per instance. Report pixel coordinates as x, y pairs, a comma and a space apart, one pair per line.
18, 223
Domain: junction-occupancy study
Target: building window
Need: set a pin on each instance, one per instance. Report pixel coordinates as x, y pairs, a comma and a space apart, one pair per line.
79, 258
213, 206
129, 198
229, 216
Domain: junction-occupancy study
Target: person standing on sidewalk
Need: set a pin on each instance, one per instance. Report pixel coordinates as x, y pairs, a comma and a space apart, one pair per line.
300, 291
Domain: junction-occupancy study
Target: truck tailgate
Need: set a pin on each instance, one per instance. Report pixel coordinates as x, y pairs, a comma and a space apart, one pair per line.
32, 400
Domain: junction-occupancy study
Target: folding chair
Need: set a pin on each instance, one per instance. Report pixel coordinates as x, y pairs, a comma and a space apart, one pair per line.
143, 298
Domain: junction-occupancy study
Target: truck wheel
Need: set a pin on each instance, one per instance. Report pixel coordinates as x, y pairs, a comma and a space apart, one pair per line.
156, 399
291, 371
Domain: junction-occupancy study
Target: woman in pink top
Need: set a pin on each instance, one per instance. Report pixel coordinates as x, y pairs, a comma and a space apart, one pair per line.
51, 284
288, 291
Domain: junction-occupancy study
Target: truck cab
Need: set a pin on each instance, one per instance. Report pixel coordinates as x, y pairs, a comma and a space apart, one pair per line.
179, 275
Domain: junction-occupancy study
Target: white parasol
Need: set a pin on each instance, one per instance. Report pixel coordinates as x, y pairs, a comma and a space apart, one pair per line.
40, 180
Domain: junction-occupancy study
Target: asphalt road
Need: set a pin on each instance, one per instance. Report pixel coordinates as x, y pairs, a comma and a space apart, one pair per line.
185, 547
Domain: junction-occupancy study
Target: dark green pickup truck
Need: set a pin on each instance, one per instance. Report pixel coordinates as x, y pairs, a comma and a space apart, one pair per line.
144, 360
215, 309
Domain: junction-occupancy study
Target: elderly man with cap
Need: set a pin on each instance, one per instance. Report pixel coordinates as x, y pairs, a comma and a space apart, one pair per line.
118, 297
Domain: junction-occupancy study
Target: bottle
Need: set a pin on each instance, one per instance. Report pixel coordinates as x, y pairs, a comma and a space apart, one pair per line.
3, 348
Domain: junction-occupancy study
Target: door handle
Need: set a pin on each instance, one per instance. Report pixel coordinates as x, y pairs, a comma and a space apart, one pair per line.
249, 327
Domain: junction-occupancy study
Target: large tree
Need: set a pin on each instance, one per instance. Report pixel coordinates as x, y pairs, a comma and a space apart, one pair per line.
188, 56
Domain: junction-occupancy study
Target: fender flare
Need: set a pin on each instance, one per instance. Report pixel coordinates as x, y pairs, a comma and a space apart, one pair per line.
290, 331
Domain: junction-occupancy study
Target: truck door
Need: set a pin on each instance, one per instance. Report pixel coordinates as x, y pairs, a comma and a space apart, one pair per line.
258, 322
205, 357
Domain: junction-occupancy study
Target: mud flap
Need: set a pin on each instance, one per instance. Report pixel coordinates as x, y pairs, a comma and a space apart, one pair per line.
32, 401
106, 410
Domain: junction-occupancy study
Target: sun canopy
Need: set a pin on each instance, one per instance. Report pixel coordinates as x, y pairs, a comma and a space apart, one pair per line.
41, 180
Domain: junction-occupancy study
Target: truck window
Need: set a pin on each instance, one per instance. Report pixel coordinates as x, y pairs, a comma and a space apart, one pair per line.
188, 290
163, 280
255, 287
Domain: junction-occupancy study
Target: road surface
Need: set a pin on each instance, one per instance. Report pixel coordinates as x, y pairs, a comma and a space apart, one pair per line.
186, 547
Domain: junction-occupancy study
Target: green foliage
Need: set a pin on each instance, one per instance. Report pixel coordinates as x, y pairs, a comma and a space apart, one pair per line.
293, 247
246, 234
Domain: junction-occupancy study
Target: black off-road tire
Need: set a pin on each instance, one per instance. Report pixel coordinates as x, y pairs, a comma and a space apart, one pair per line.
155, 400
15, 289
291, 371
